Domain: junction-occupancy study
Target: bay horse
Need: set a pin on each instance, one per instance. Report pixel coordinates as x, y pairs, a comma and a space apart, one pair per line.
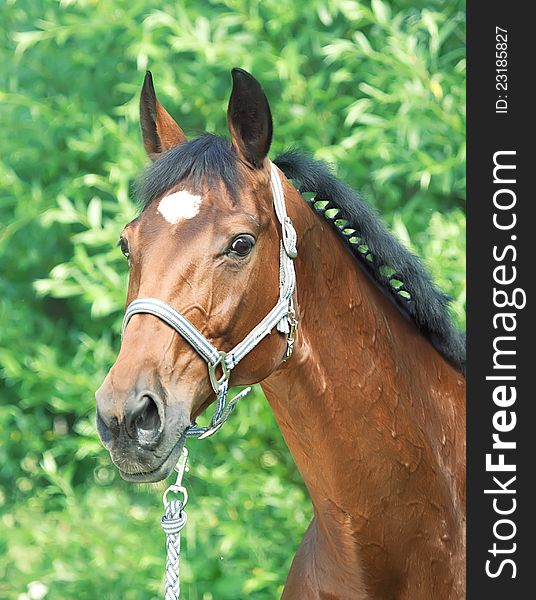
371, 401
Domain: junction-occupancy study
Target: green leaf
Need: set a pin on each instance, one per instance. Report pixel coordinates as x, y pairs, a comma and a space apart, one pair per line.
382, 11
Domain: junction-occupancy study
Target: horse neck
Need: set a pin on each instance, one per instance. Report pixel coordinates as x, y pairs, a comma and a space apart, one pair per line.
365, 401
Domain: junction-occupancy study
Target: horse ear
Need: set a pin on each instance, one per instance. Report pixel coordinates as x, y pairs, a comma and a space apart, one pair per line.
159, 131
249, 118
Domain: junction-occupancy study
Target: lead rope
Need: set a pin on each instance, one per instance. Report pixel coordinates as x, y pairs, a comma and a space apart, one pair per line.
173, 521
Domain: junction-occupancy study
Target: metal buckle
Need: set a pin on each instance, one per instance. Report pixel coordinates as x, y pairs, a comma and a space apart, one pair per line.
293, 322
217, 383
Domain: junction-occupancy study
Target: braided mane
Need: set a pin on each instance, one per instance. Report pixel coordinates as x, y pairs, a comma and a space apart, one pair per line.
400, 273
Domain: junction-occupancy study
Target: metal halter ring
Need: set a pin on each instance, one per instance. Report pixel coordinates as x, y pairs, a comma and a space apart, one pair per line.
176, 489
217, 383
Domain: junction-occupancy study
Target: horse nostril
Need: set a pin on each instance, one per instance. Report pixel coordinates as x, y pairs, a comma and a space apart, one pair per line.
143, 419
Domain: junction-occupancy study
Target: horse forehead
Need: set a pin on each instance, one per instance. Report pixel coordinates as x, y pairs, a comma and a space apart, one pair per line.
179, 206
183, 205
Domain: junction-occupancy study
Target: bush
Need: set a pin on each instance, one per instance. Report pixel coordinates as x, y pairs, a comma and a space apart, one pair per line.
376, 88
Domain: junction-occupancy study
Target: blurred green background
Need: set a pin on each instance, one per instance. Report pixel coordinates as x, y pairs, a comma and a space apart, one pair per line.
376, 88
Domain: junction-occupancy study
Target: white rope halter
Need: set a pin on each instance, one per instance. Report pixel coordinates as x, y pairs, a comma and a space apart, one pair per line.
282, 316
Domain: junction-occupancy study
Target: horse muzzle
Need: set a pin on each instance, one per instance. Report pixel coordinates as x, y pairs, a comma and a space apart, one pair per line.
145, 441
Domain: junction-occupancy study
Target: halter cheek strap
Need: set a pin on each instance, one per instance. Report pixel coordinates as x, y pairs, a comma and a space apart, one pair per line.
282, 317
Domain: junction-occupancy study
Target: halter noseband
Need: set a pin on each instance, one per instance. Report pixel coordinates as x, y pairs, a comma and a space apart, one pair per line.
282, 316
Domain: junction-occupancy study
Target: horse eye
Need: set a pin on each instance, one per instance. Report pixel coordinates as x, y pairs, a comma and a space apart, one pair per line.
242, 245
122, 243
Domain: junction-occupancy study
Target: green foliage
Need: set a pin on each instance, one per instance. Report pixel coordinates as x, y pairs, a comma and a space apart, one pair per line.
376, 88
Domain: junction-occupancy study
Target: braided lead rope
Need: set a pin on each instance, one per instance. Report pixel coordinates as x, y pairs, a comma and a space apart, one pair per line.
172, 522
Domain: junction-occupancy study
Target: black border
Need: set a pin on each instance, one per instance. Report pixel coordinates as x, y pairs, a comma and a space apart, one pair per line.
487, 133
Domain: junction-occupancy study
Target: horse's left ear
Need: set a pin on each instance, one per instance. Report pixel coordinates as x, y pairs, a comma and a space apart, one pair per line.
159, 130
249, 118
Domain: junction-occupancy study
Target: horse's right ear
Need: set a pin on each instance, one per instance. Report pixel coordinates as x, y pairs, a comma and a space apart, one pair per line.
249, 118
159, 130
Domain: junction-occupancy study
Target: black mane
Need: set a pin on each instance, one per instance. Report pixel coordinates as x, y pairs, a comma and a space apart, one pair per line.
210, 159
392, 266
